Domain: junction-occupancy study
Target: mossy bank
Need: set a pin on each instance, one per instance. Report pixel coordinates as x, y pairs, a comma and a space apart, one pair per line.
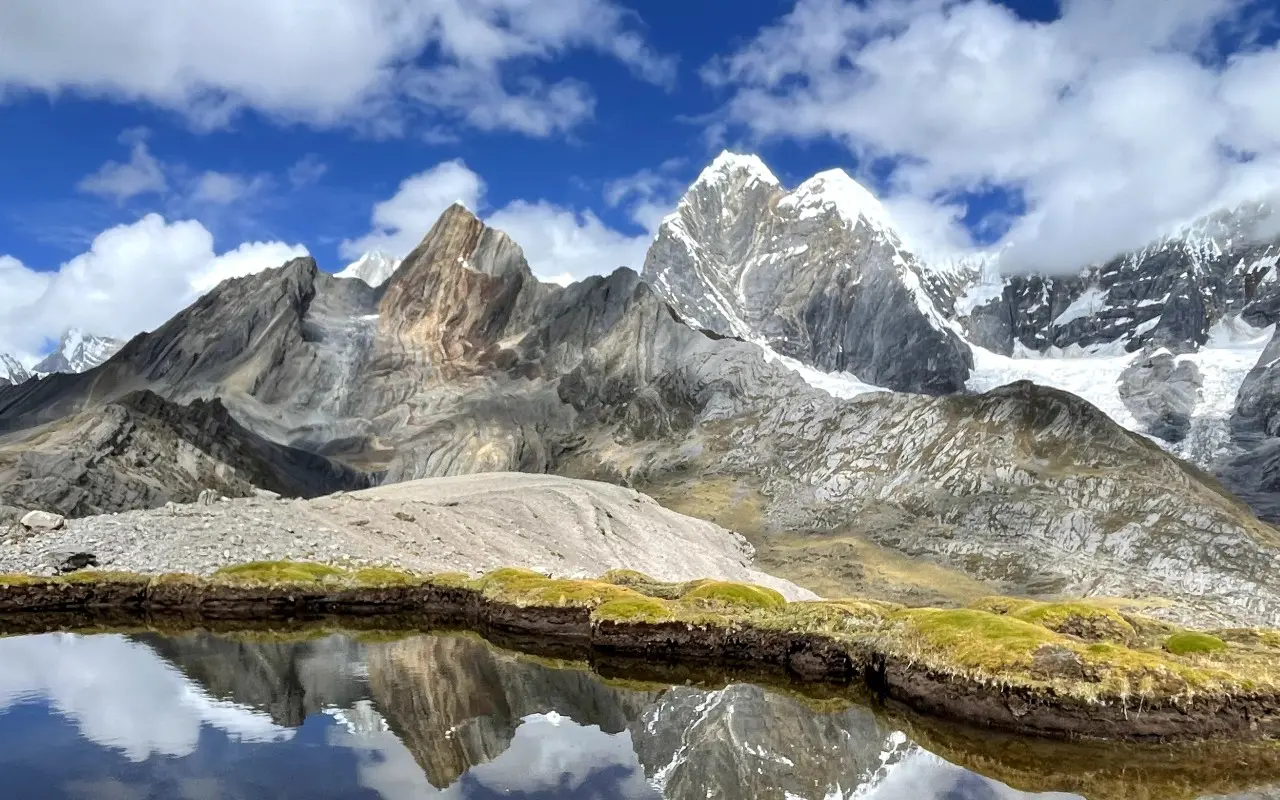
1079, 669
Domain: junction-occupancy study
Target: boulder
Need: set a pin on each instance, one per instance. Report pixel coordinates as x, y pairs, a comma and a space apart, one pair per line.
43, 521
71, 561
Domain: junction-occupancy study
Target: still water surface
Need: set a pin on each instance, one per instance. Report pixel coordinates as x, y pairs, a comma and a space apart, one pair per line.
200, 717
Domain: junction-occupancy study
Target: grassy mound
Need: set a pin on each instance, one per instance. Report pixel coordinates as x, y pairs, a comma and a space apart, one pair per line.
273, 572
524, 588
735, 595
1081, 619
634, 609
1187, 643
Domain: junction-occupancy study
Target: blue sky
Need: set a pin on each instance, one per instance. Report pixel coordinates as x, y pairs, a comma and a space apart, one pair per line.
1068, 132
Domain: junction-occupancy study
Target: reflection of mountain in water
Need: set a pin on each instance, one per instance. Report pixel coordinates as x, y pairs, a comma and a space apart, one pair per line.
456, 702
455, 714
288, 680
450, 717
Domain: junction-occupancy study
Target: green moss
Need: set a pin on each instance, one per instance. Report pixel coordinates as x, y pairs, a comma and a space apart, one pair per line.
646, 585
626, 577
278, 572
381, 576
738, 595
971, 641
1083, 620
1259, 638
1001, 605
1192, 643
103, 576
22, 580
829, 616
173, 578
634, 609
452, 580
523, 588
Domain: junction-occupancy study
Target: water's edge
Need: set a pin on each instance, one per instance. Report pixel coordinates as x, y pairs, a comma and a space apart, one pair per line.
664, 651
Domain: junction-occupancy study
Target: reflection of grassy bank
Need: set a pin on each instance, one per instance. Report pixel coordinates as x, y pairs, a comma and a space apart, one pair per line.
1071, 668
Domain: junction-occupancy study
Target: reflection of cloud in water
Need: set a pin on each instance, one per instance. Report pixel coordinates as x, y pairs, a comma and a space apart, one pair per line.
920, 775
121, 694
550, 757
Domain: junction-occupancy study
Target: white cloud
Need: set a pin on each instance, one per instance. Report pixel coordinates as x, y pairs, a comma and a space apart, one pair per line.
307, 171
1116, 121
225, 188
133, 278
400, 222
560, 244
142, 174
368, 63
648, 195
121, 695
558, 241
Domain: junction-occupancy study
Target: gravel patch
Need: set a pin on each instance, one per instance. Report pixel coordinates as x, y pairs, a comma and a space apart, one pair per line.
472, 524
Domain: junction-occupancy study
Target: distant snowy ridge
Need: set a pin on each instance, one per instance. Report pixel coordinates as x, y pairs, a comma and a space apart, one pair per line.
78, 352
12, 371
374, 268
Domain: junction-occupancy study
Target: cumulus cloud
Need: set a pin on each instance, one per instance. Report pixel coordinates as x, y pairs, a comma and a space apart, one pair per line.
225, 188
1114, 122
181, 188
141, 174
401, 221
380, 65
560, 244
133, 278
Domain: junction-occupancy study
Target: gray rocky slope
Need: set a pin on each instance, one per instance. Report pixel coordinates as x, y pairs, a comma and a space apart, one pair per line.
464, 363
142, 451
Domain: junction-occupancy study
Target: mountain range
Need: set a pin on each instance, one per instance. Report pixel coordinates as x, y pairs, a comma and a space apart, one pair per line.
785, 366
1167, 340
77, 351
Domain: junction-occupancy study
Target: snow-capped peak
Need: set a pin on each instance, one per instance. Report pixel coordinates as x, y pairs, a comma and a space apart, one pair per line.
728, 163
72, 341
11, 370
834, 188
78, 351
374, 268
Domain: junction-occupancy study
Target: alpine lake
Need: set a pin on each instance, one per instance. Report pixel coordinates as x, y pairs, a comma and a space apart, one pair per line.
334, 712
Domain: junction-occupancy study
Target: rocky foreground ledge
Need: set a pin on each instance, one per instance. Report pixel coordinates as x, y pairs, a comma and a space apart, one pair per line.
1066, 670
